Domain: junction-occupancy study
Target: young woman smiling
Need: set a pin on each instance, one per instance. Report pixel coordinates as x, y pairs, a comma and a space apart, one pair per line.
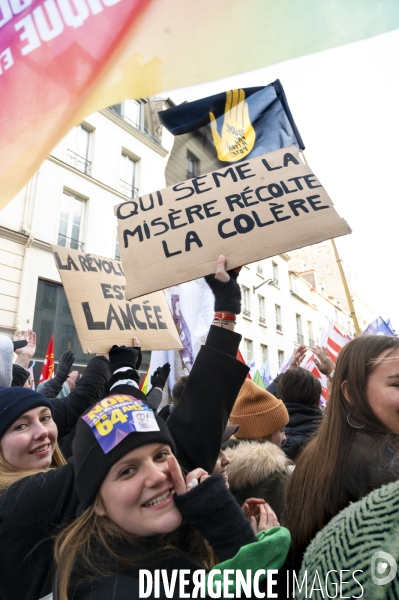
32, 509
138, 512
34, 493
30, 423
356, 449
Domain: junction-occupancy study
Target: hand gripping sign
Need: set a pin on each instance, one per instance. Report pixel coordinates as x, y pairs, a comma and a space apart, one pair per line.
247, 211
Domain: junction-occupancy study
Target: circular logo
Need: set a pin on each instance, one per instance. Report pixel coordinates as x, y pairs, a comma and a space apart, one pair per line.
383, 568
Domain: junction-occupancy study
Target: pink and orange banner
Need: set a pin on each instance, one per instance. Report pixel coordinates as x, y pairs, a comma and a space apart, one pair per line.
61, 60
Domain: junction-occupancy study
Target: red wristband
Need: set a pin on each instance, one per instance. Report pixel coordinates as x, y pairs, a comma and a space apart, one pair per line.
225, 316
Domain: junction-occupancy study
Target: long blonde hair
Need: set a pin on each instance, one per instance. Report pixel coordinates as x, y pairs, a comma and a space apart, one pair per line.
10, 474
76, 545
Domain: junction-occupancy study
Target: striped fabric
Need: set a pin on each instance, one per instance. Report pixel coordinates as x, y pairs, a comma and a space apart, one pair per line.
333, 341
348, 542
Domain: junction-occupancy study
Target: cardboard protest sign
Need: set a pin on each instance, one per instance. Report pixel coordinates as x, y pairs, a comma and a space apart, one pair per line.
94, 287
247, 211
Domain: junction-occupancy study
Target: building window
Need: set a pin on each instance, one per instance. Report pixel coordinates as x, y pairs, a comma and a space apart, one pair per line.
262, 313
264, 353
294, 284
193, 165
132, 112
259, 269
248, 350
299, 334
279, 326
71, 221
53, 316
310, 334
280, 357
275, 272
128, 177
246, 310
45, 332
67, 337
49, 296
78, 154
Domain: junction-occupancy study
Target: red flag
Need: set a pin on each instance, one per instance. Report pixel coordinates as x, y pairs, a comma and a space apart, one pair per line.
48, 365
240, 357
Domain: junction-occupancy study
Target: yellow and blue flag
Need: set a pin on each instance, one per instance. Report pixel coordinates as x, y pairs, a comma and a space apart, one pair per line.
239, 124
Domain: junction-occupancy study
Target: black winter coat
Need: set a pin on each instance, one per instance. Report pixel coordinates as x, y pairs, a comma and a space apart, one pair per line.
372, 461
303, 424
33, 509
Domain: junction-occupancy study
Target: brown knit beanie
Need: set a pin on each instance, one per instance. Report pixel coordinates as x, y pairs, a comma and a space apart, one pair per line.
257, 412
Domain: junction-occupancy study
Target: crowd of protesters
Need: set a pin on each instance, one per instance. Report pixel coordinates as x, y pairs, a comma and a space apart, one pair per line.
98, 484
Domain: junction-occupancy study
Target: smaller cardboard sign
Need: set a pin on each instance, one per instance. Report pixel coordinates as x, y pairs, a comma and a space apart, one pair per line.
94, 287
248, 211
114, 417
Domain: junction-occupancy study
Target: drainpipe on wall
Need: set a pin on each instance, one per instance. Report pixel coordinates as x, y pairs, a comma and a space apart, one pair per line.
29, 199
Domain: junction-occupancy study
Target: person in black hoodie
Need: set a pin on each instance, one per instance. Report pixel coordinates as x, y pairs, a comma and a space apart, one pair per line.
300, 391
138, 512
32, 509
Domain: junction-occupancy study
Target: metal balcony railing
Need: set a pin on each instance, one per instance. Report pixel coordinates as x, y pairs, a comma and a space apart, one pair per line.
246, 312
70, 243
299, 338
127, 189
279, 327
78, 162
262, 320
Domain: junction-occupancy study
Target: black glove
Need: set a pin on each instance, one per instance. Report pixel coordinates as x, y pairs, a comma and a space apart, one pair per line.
124, 356
160, 375
64, 366
19, 376
214, 511
166, 411
227, 294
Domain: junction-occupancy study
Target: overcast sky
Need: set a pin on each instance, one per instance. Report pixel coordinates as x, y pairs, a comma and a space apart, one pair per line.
345, 103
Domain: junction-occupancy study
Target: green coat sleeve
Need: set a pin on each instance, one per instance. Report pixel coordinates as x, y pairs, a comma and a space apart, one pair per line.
269, 552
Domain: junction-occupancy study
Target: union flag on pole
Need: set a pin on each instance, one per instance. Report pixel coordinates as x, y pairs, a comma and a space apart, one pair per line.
48, 365
333, 341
